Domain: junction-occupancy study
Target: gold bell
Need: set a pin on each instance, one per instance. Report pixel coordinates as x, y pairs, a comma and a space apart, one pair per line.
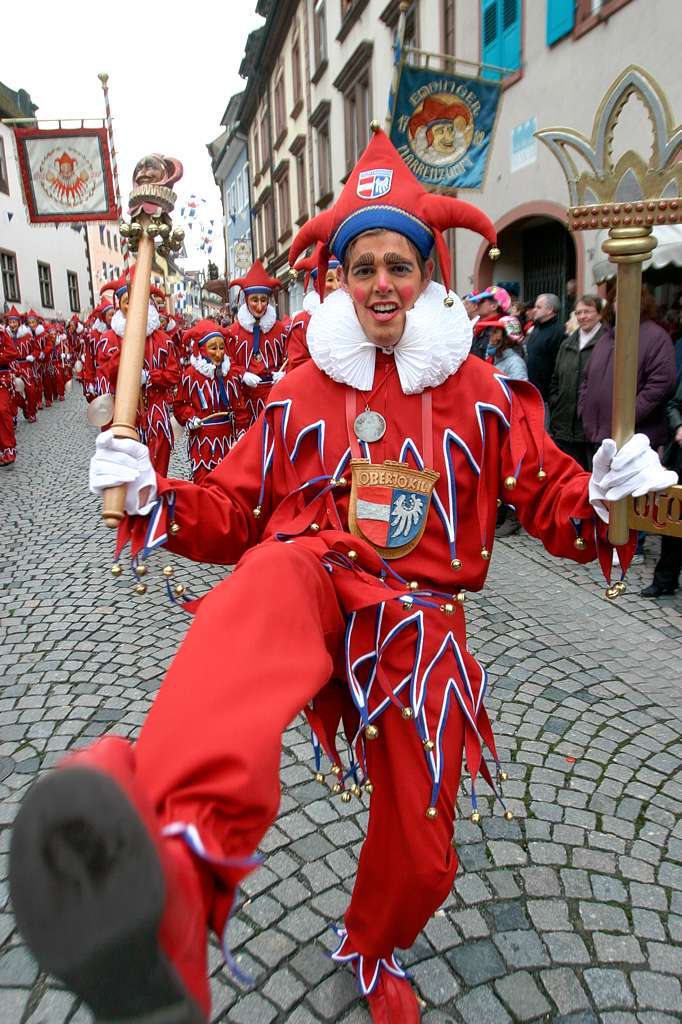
413, 585
167, 571
374, 126
475, 817
336, 788
448, 608
315, 527
429, 745
461, 597
406, 713
455, 564
116, 569
141, 569
542, 475
369, 787
336, 769
431, 813
499, 502
509, 816
257, 511
140, 588
407, 603
355, 790
612, 593
179, 589
371, 732
319, 777
341, 482
352, 554
494, 253
510, 483
503, 776
174, 528
346, 796
621, 586
485, 554
579, 543
448, 301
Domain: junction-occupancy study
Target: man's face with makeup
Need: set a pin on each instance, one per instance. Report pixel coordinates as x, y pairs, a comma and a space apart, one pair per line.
384, 280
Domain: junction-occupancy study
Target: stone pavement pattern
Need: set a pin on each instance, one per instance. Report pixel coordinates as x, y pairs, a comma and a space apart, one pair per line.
572, 912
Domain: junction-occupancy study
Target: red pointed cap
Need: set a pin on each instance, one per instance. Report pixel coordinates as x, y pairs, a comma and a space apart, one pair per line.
13, 314
201, 332
120, 285
256, 282
32, 315
310, 264
381, 192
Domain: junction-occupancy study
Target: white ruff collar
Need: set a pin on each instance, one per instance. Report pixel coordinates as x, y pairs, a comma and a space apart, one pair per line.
39, 330
247, 320
118, 321
311, 302
435, 342
205, 366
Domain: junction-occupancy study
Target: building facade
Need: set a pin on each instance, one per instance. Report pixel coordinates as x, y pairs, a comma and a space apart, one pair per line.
559, 58
106, 256
42, 267
562, 64
230, 165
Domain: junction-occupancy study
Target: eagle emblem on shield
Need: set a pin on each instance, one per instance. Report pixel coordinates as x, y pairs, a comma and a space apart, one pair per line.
389, 505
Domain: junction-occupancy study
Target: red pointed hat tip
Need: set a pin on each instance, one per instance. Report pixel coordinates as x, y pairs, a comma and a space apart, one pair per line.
257, 280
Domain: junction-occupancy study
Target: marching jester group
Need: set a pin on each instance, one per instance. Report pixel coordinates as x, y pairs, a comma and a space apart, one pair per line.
202, 380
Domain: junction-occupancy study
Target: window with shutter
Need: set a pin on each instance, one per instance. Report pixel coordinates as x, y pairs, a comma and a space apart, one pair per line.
560, 19
500, 35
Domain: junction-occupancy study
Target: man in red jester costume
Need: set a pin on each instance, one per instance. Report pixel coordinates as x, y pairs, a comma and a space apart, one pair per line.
206, 398
24, 365
359, 511
8, 398
256, 344
297, 343
160, 373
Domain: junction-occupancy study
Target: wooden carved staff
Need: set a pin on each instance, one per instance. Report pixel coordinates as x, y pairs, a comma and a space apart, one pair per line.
150, 228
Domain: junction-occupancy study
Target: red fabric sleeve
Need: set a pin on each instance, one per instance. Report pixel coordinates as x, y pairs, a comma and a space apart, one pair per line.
168, 376
297, 346
183, 409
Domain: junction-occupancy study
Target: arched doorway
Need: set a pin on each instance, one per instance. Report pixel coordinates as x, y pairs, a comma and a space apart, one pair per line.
538, 255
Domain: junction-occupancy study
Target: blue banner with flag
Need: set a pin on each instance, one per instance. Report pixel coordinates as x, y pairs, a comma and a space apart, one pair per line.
443, 126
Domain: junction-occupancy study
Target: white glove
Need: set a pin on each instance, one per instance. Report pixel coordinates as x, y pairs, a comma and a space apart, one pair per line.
252, 380
277, 376
119, 460
30, 359
194, 423
144, 376
632, 471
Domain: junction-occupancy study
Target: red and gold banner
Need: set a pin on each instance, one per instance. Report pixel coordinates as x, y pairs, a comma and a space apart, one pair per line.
66, 174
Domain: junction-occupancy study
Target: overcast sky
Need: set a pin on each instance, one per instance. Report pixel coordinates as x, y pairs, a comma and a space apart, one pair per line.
172, 68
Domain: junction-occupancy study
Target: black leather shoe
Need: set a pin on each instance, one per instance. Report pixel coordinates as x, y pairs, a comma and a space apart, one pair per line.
654, 590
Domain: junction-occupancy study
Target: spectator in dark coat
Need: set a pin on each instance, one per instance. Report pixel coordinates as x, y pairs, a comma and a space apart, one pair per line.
667, 572
488, 305
566, 426
656, 380
543, 342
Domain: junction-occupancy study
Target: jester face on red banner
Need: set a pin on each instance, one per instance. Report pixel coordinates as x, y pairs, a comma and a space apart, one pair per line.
66, 174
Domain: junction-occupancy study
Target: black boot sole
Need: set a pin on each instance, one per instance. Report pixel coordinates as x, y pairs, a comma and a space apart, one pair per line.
88, 894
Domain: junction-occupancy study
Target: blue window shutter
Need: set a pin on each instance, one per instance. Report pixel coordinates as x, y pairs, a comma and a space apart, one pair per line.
511, 34
560, 19
491, 36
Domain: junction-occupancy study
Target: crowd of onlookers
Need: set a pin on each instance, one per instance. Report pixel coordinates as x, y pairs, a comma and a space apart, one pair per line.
571, 364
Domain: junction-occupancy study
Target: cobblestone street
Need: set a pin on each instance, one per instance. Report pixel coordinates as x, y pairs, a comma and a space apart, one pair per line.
572, 912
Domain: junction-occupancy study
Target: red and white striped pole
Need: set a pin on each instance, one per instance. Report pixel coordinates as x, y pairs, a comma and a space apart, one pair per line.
104, 79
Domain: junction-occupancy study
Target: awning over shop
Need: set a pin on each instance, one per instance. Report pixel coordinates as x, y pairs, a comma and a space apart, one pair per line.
667, 253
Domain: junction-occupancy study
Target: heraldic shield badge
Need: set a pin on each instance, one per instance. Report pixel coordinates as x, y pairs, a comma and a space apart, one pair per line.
389, 503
